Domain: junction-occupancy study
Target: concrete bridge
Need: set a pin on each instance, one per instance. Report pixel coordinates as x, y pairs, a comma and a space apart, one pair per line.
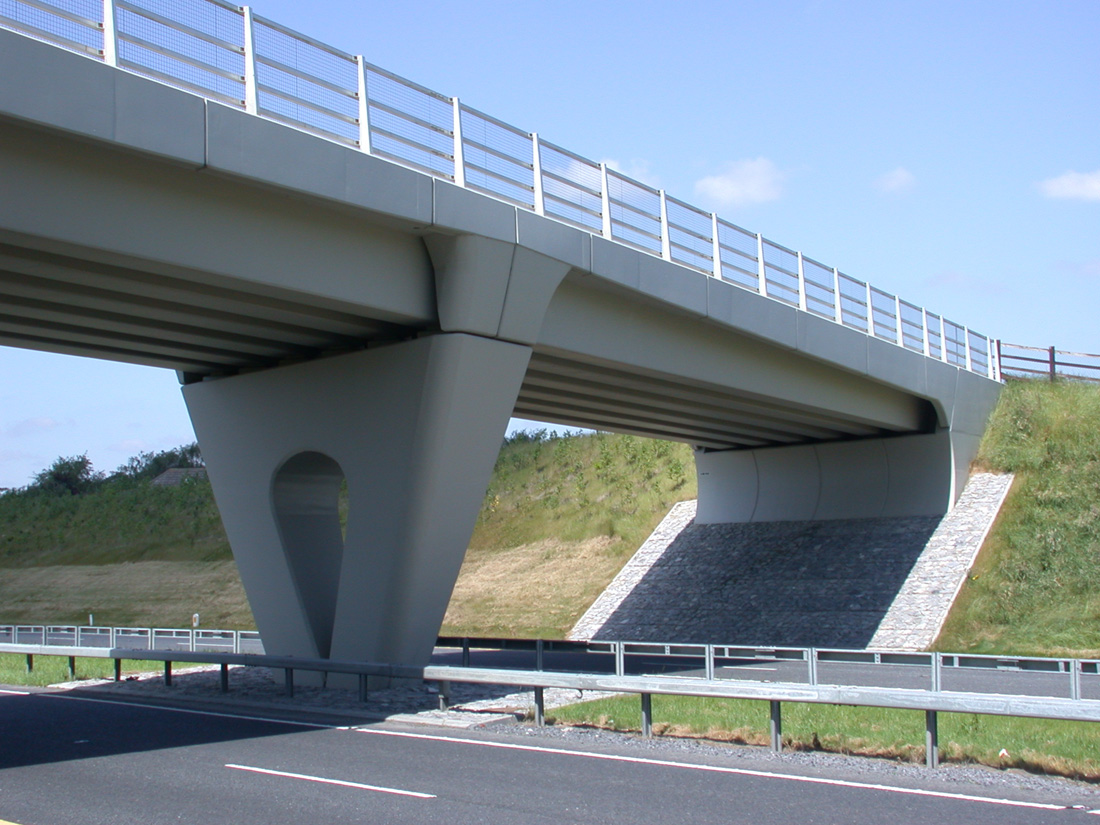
372, 302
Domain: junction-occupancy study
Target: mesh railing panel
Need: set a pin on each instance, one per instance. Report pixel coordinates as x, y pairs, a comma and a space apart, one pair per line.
571, 187
781, 271
820, 295
853, 302
72, 24
884, 313
740, 261
912, 326
411, 124
499, 159
690, 235
635, 212
304, 84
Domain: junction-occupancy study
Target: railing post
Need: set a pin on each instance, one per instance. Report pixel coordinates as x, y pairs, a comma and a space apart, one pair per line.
870, 311
647, 715
536, 166
801, 284
666, 243
924, 329
943, 341
460, 161
716, 245
966, 343
931, 739
775, 726
838, 307
364, 105
994, 358
1053, 364
110, 33
605, 201
898, 321
251, 93
762, 268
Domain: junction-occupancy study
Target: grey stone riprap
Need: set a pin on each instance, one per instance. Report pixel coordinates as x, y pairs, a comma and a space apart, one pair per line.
828, 583
679, 517
921, 606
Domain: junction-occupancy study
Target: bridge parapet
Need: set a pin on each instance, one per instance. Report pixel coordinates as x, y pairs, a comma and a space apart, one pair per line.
229, 54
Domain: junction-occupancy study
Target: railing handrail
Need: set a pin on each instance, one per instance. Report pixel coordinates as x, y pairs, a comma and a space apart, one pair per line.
415, 144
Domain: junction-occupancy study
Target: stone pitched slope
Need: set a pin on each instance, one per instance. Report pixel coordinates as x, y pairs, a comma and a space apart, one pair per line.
803, 584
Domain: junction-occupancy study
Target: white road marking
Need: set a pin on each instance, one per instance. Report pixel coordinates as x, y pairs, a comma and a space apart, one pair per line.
194, 712
637, 760
325, 781
15, 693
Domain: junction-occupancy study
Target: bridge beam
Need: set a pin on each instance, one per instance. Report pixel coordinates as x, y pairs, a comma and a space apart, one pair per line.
414, 428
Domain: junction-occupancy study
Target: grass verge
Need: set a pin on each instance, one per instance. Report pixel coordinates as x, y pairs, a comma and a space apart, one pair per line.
53, 670
1068, 749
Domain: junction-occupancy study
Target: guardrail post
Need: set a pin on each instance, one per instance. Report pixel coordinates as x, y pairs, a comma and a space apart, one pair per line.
110, 34
666, 243
364, 105
1053, 363
538, 654
167, 673
801, 284
118, 670
708, 667
605, 202
225, 677
251, 93
811, 659
937, 671
444, 695
536, 168
30, 663
620, 658
540, 706
931, 739
762, 268
716, 246
1075, 679
72, 667
289, 681
363, 688
647, 715
775, 726
465, 652
459, 149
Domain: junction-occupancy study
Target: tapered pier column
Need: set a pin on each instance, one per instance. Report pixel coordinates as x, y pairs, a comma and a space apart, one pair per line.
414, 428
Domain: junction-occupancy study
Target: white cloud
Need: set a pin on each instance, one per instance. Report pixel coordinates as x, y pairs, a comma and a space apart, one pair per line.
743, 182
898, 181
1082, 186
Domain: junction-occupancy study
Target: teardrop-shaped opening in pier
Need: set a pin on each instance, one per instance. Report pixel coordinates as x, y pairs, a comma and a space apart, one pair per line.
306, 500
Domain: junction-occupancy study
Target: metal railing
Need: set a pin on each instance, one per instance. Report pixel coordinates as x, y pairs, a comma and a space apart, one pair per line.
229, 54
826, 678
1048, 362
132, 638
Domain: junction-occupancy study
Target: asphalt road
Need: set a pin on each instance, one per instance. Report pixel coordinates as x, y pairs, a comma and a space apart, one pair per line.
77, 760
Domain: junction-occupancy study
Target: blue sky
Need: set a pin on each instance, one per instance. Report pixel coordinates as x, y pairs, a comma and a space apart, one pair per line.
945, 151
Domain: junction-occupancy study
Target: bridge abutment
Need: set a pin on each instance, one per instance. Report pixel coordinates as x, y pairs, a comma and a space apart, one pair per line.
414, 428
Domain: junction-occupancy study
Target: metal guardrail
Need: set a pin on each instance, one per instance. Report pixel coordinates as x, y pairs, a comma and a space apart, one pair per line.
133, 638
818, 690
229, 54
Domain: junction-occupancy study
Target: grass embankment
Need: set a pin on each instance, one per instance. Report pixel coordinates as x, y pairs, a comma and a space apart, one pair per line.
52, 670
1033, 590
561, 516
1039, 745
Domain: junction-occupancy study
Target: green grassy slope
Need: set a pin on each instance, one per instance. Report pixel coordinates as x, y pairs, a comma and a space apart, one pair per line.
1034, 589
